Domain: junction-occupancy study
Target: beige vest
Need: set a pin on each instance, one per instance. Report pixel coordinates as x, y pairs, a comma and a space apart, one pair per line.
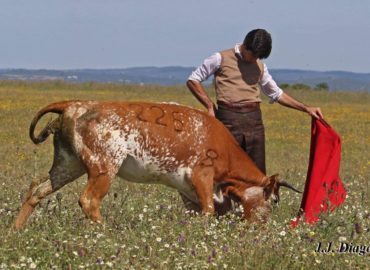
236, 81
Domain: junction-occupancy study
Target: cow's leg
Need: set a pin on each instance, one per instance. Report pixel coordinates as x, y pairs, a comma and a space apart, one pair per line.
202, 180
190, 205
223, 207
66, 168
39, 190
95, 190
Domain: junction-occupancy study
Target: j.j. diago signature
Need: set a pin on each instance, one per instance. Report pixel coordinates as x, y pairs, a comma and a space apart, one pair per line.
342, 247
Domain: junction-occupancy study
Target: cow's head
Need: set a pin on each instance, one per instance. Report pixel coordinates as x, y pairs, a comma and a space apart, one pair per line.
272, 188
256, 200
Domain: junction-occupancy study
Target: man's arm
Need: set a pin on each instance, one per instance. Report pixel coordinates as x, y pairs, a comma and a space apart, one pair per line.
203, 72
290, 102
198, 91
273, 91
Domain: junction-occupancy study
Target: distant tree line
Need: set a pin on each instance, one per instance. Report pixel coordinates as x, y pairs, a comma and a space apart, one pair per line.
323, 86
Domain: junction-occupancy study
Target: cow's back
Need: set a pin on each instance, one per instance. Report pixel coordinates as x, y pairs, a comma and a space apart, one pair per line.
168, 136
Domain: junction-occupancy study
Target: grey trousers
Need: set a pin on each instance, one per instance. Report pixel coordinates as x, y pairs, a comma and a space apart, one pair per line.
249, 132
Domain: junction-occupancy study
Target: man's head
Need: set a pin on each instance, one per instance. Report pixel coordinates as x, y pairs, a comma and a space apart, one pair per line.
259, 43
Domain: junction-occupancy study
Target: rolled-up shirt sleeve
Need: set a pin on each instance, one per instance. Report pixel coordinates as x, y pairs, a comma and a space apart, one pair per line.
269, 86
209, 67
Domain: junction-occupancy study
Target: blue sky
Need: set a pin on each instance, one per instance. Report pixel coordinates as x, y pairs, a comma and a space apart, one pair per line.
312, 35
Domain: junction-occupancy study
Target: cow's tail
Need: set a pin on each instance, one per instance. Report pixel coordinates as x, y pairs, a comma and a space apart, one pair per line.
58, 108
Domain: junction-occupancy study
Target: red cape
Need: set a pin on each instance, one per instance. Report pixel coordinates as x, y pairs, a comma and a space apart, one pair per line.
324, 189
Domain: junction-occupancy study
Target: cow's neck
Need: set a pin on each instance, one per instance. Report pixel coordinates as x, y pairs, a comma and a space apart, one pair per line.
243, 168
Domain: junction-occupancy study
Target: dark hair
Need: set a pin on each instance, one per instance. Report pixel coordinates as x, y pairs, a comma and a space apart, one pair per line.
259, 42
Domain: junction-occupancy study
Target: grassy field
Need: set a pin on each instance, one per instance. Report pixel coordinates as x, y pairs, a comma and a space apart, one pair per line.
154, 231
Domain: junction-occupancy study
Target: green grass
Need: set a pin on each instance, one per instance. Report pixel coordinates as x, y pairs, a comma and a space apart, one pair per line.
146, 226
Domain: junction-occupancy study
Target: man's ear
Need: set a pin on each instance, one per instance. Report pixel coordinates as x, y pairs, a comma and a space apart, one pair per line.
269, 188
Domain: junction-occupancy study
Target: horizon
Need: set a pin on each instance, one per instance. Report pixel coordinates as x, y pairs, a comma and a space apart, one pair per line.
174, 66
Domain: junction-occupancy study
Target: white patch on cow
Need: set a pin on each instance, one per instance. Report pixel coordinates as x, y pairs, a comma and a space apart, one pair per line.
74, 112
178, 104
140, 171
253, 193
218, 196
197, 123
170, 103
197, 126
110, 138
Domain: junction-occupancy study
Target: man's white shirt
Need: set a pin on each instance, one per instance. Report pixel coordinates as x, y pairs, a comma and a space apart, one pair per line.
212, 64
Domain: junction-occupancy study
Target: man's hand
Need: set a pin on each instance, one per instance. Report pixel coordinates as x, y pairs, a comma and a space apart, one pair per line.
315, 112
198, 91
211, 111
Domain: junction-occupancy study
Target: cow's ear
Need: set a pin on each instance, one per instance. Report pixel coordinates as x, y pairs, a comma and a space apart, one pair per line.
269, 188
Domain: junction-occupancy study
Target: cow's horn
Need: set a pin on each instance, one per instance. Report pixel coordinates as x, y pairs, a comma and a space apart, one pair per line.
284, 183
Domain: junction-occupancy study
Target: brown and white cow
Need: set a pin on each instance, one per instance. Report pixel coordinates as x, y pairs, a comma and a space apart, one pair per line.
174, 145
